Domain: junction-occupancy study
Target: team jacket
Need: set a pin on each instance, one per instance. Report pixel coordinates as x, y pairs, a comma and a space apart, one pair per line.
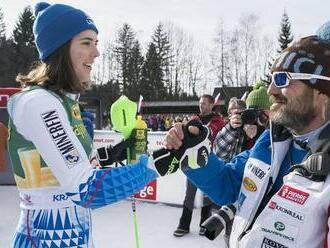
49, 148
297, 215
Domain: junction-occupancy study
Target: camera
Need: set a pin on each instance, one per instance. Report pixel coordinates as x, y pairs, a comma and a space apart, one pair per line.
251, 116
219, 221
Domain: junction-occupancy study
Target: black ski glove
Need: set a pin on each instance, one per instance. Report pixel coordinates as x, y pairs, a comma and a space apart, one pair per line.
192, 154
117, 153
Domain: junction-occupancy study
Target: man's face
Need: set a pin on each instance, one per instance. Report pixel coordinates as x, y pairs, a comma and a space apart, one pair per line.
205, 106
293, 106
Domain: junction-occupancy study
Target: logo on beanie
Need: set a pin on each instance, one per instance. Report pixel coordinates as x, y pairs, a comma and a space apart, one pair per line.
296, 61
89, 21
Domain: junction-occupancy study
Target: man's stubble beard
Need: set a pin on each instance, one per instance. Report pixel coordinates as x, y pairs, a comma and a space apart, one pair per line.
295, 115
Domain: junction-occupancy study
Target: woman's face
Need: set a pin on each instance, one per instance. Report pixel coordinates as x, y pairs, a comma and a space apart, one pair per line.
83, 51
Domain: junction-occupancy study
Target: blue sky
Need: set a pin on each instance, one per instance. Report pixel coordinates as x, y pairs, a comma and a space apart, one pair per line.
197, 17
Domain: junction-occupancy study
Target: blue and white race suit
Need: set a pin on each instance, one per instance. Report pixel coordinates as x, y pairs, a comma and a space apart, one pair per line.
49, 148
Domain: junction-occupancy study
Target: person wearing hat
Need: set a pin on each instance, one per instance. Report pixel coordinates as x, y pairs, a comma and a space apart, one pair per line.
240, 134
282, 185
49, 146
248, 118
255, 118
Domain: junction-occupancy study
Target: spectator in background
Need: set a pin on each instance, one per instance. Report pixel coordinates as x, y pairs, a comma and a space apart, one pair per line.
215, 122
153, 123
161, 122
167, 123
229, 140
3, 146
177, 119
238, 136
185, 119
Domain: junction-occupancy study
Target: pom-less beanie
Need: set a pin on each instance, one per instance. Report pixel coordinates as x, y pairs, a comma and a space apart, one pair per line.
258, 97
309, 55
56, 24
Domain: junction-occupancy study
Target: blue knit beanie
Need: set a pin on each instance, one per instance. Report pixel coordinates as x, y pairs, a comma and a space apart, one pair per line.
56, 24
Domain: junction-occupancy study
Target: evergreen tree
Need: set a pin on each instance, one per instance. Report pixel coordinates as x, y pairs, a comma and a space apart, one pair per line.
285, 38
285, 35
2, 24
123, 51
162, 45
25, 51
135, 64
151, 85
7, 76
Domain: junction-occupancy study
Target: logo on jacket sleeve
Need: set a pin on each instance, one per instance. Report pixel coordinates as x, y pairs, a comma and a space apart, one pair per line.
258, 172
59, 136
292, 194
249, 184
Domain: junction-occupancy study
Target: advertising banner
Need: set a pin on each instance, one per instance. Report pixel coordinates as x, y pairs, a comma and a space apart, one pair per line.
6, 176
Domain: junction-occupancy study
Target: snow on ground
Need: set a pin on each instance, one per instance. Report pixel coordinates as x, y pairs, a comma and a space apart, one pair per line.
113, 225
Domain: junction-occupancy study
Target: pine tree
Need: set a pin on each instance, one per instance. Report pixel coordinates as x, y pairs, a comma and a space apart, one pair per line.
285, 35
2, 24
7, 75
151, 85
162, 45
123, 51
25, 51
284, 39
135, 64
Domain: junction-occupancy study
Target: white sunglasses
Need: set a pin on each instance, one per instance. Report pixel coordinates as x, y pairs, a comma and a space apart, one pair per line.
281, 78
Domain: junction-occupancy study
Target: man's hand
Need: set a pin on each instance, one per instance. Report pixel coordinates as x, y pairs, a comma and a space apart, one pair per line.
189, 152
250, 130
175, 135
235, 119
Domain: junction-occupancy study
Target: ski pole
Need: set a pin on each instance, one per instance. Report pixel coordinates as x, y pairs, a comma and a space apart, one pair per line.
123, 117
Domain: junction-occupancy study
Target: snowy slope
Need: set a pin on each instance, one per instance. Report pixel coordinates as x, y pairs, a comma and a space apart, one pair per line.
113, 225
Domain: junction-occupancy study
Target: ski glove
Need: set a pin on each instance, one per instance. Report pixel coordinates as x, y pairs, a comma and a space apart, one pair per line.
192, 154
117, 153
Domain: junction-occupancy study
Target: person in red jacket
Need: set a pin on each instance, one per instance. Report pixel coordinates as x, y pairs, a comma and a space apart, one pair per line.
215, 122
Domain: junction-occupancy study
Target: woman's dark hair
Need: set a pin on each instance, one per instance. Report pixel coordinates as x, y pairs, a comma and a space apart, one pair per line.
56, 73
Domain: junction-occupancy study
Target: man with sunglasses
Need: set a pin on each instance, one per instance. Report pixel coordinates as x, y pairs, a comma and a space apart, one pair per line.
282, 183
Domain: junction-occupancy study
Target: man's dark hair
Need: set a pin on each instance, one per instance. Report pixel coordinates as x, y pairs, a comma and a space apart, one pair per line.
209, 98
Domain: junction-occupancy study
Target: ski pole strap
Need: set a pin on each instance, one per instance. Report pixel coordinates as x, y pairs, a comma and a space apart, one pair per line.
111, 154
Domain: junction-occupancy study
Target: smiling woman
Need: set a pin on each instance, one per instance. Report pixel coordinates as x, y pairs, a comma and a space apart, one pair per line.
83, 51
51, 160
